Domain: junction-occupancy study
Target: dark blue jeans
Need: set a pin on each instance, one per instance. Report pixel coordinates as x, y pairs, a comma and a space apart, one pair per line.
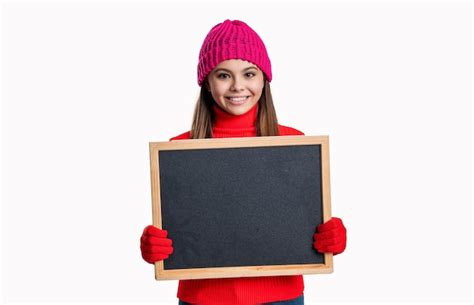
297, 301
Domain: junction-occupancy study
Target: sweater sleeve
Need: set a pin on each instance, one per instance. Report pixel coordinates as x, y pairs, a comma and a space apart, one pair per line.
184, 136
289, 131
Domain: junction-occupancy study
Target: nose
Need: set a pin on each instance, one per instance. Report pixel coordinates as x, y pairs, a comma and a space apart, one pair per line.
237, 85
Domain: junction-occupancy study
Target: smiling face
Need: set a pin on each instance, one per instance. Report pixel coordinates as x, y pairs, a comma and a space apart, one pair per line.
236, 85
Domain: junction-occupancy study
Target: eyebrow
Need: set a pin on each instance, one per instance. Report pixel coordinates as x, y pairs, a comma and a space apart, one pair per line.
223, 69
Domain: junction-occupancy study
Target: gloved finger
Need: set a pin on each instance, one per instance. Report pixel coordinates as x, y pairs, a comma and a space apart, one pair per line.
154, 231
335, 248
156, 250
330, 234
320, 243
331, 224
152, 258
153, 241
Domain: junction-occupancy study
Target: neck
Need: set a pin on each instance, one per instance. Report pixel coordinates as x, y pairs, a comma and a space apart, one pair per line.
229, 125
224, 119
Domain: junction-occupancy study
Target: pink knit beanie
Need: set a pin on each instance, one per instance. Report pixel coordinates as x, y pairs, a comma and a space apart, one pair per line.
232, 40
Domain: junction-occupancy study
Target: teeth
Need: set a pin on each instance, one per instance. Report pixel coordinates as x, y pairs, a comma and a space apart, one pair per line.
237, 99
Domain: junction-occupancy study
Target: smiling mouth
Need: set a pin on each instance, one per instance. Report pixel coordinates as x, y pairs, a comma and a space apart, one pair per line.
237, 100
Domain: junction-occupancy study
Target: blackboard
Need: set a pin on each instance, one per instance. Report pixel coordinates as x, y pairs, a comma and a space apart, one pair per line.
239, 207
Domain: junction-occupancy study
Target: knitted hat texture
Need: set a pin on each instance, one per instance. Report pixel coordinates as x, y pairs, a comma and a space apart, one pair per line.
232, 40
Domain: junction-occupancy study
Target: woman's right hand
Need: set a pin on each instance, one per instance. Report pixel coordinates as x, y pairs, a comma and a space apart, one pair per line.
154, 244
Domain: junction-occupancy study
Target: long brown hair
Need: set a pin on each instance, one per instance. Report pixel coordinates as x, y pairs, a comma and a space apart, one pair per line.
203, 117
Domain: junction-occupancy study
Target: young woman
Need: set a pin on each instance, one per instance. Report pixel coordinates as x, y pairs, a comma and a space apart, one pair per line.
234, 73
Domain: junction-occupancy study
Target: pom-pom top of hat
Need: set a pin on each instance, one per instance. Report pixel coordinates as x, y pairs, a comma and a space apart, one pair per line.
232, 40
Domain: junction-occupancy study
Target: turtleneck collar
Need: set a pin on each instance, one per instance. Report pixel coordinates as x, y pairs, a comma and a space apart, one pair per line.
226, 120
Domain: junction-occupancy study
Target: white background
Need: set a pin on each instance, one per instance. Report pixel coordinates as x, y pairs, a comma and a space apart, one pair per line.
87, 85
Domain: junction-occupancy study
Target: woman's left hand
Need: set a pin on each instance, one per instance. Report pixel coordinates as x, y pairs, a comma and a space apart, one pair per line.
330, 237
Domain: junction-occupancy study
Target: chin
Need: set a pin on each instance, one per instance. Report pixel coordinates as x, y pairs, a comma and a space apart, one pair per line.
238, 111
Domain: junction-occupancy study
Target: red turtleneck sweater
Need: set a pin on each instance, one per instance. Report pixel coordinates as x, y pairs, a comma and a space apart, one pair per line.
245, 290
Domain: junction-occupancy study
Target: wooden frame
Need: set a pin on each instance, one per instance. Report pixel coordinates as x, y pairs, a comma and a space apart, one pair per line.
245, 271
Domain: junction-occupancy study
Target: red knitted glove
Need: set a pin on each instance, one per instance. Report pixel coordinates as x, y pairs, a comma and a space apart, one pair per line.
154, 244
330, 237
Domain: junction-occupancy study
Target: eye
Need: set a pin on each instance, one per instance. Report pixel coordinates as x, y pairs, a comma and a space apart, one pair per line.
222, 75
250, 74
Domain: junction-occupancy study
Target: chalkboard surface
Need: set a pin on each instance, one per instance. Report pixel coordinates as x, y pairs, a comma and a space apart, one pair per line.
241, 206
